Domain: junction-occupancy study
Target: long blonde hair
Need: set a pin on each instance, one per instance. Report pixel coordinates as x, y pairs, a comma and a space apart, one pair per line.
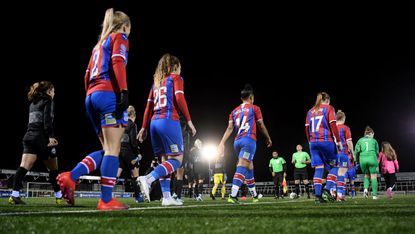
167, 64
113, 21
39, 88
322, 96
388, 150
131, 111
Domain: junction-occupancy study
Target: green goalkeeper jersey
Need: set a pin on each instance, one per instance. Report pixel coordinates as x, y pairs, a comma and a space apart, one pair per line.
366, 147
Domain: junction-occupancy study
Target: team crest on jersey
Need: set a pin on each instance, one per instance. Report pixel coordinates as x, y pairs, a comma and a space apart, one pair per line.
109, 119
246, 155
174, 148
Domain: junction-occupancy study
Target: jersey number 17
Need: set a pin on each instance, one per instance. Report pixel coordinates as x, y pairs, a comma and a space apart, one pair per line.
316, 122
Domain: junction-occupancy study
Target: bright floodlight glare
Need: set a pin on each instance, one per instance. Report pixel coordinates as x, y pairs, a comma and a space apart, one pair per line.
209, 152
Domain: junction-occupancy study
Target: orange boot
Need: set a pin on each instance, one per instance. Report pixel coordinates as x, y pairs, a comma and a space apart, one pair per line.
114, 204
67, 186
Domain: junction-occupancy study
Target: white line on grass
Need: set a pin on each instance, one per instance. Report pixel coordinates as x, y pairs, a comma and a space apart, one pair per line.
141, 208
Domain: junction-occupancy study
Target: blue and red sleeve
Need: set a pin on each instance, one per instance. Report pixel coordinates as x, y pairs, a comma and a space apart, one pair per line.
87, 74
149, 110
180, 99
119, 59
257, 113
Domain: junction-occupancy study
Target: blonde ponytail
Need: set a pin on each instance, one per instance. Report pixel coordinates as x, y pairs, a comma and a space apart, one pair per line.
112, 22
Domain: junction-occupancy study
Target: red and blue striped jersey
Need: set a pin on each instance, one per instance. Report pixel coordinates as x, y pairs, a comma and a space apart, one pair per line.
244, 118
165, 101
318, 123
345, 136
100, 73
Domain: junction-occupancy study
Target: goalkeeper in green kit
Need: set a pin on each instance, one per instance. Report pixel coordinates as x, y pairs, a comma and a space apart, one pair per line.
367, 150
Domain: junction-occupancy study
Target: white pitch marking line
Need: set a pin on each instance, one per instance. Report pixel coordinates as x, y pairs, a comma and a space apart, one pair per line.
140, 208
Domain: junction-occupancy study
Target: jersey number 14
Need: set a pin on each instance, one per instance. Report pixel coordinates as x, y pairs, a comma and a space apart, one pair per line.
244, 126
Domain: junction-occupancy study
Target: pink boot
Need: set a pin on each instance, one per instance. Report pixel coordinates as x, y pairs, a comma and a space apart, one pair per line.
389, 192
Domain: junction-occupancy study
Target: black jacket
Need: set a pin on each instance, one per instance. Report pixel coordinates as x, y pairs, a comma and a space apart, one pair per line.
41, 115
129, 143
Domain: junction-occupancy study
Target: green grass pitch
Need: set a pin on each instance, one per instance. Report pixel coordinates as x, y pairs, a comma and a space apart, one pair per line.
41, 215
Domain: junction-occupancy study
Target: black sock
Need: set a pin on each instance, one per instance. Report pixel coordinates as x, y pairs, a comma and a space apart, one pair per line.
136, 187
297, 189
277, 190
196, 190
190, 192
200, 189
307, 189
18, 178
52, 178
179, 187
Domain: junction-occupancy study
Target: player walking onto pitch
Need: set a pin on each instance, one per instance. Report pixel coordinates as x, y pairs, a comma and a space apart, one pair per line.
367, 150
166, 98
244, 119
38, 139
336, 177
320, 128
106, 103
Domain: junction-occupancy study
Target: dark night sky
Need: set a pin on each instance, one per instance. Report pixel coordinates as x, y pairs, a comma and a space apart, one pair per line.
363, 58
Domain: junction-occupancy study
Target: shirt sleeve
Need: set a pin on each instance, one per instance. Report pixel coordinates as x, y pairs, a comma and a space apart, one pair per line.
348, 135
179, 94
120, 47
376, 146
48, 116
231, 117
88, 74
257, 113
133, 138
149, 110
119, 60
396, 164
331, 114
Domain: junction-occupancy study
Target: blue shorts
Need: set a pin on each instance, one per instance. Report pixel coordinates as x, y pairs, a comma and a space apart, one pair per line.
245, 147
351, 174
323, 153
101, 107
342, 160
166, 137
